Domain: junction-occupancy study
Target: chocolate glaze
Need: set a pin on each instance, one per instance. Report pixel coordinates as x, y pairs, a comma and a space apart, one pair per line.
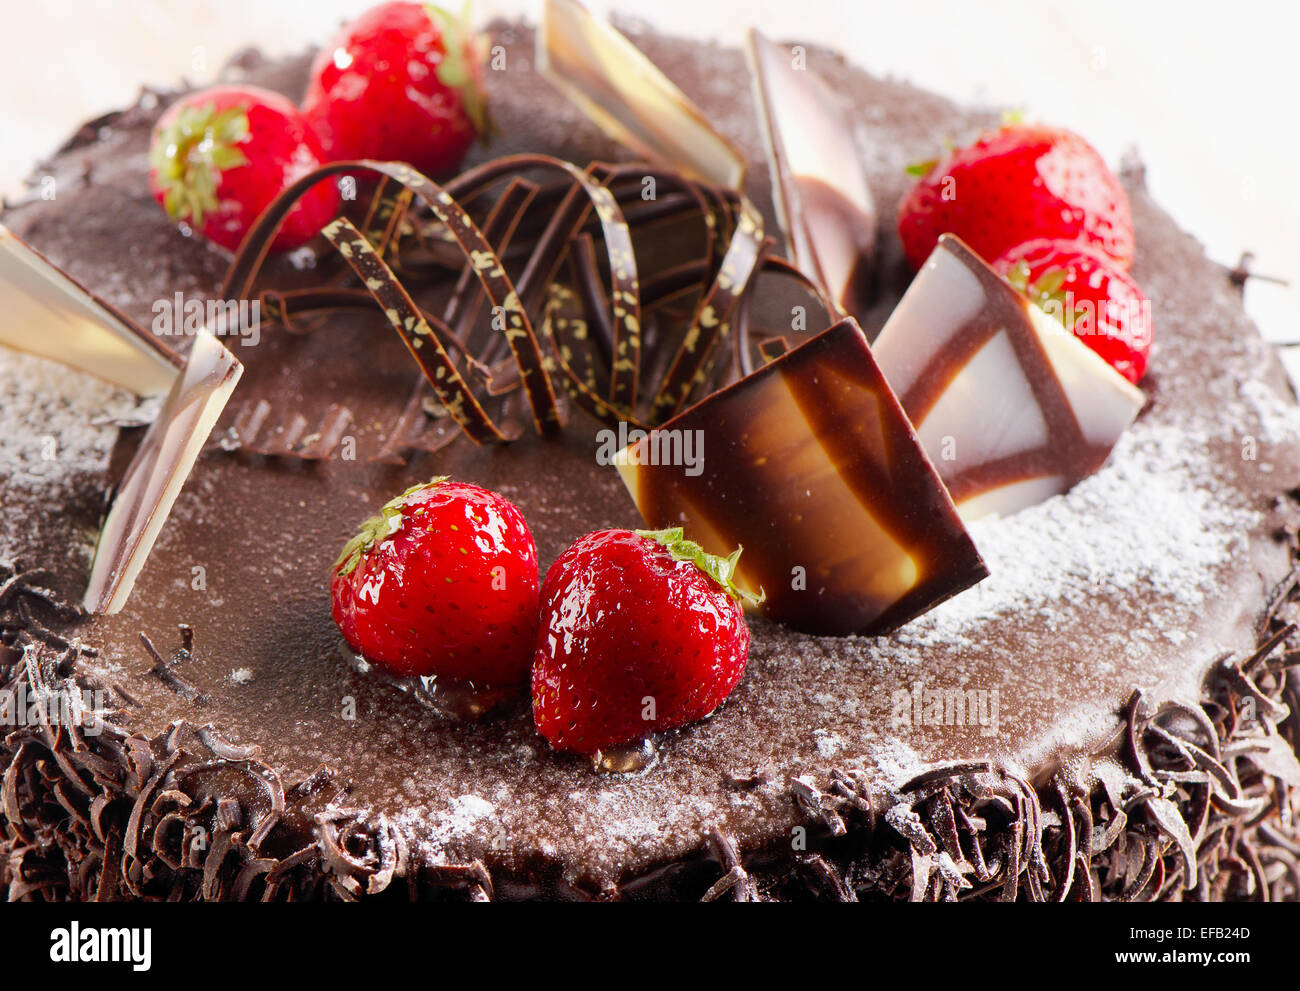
485, 807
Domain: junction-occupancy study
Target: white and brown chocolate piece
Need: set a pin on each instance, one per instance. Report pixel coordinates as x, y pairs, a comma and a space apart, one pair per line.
46, 312
811, 466
819, 187
633, 102
1011, 408
158, 470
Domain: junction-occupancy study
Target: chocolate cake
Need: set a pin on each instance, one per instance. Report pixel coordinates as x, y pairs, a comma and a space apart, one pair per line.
1110, 714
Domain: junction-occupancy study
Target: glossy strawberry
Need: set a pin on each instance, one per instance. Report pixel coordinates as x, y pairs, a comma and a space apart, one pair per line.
1102, 305
442, 582
403, 82
640, 631
1015, 184
218, 157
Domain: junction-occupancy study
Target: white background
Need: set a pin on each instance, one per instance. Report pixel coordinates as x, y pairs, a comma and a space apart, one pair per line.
1207, 92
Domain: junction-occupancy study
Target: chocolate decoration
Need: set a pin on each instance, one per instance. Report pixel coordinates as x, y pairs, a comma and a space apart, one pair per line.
628, 97
593, 331
819, 187
811, 466
1057, 807
415, 331
160, 467
1011, 408
49, 313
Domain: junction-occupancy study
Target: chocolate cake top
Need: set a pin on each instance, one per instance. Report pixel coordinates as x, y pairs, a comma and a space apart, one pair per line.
1140, 577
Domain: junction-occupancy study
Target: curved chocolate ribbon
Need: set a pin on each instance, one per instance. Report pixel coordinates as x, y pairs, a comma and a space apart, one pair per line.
589, 338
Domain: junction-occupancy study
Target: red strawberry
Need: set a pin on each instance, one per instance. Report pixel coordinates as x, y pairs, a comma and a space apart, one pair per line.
1090, 296
403, 82
639, 632
1014, 184
219, 156
442, 582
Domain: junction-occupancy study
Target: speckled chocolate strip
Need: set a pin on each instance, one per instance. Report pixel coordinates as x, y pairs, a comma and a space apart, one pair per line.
385, 216
499, 229
606, 319
564, 322
517, 330
623, 297
416, 332
711, 324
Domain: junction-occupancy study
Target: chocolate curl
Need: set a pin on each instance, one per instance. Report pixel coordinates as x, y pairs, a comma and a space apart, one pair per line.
500, 291
769, 348
499, 229
624, 292
386, 215
554, 325
568, 219
711, 323
410, 323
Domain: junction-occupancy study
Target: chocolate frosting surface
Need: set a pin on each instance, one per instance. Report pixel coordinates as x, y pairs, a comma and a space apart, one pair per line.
1140, 578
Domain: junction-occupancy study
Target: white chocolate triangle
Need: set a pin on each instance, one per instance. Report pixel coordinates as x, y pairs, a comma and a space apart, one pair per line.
156, 474
45, 312
628, 97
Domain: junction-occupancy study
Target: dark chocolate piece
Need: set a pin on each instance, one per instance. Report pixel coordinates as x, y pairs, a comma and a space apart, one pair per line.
811, 466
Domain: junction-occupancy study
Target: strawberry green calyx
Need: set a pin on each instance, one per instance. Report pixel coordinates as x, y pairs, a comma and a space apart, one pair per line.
920, 169
190, 154
721, 570
1048, 288
462, 61
386, 523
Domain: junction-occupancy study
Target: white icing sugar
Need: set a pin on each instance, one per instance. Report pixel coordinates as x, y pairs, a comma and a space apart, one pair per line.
1147, 520
57, 429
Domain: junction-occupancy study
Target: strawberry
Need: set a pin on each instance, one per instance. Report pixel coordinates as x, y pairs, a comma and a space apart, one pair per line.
640, 631
218, 157
442, 582
403, 82
1014, 184
1102, 305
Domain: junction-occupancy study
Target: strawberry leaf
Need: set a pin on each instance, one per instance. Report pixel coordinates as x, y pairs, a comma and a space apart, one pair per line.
721, 570
379, 527
463, 52
189, 155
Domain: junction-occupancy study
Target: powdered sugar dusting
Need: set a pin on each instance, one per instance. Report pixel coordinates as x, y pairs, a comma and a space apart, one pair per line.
57, 429
1147, 521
